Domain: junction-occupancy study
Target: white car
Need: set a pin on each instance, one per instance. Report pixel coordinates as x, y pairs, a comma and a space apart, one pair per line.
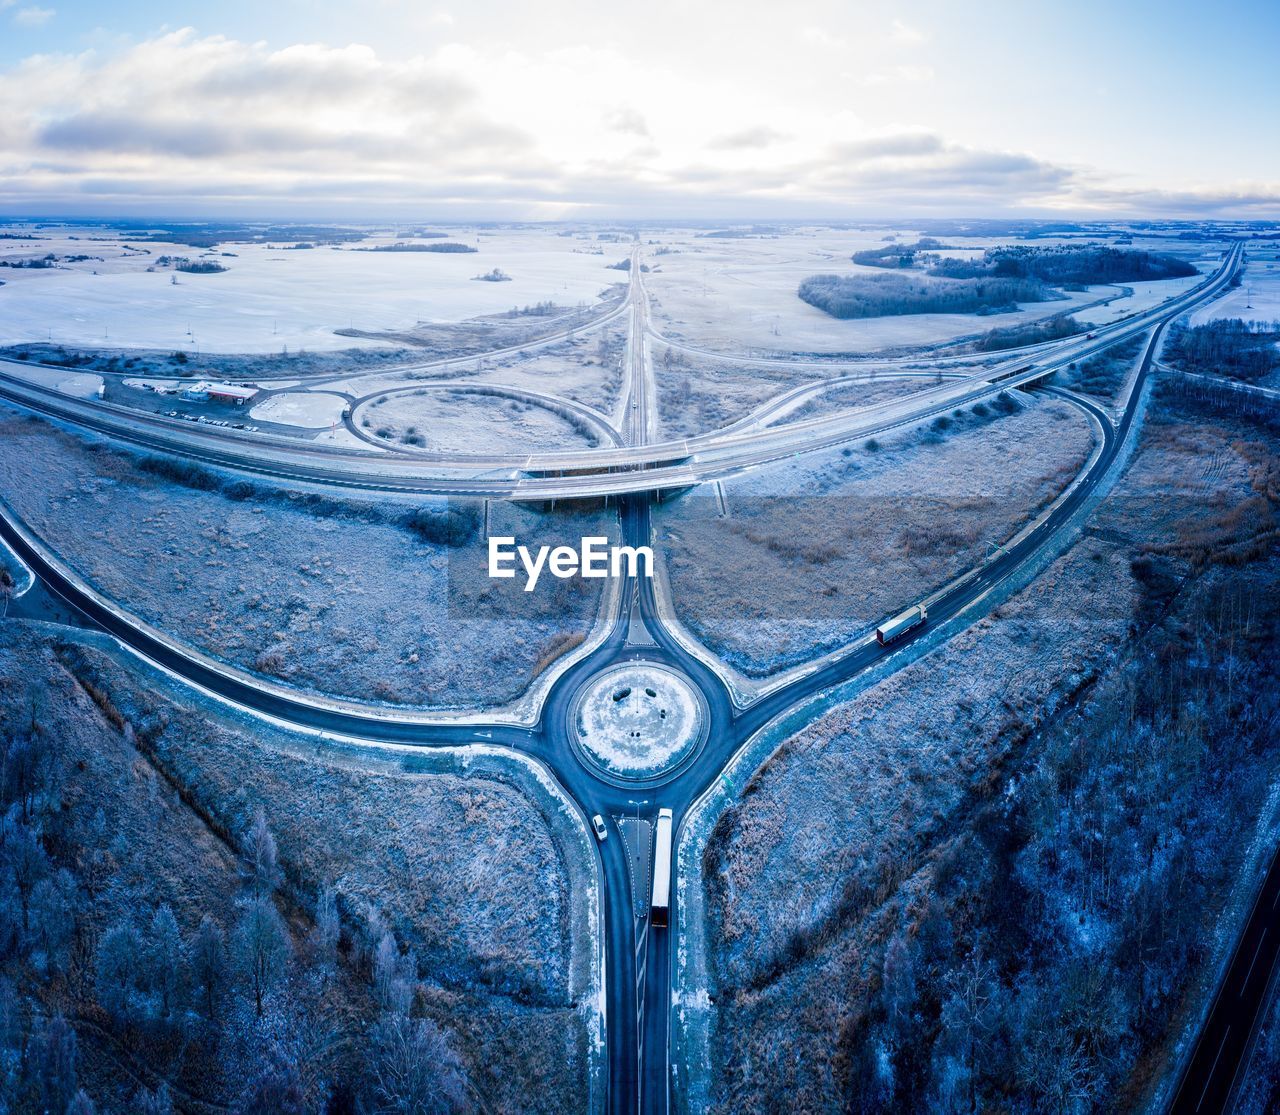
597, 823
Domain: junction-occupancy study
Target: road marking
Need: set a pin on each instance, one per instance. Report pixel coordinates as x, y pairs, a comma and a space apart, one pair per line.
1214, 1069
1252, 963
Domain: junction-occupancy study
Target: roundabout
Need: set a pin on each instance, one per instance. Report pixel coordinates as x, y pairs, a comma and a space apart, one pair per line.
638, 721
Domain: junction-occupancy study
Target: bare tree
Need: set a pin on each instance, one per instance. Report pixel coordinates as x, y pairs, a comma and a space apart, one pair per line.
24, 765
328, 929
27, 864
208, 951
262, 945
164, 959
261, 857
54, 1060
899, 982
413, 1070
386, 961
119, 967
53, 917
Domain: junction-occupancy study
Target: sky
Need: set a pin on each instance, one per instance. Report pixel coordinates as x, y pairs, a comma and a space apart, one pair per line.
578, 110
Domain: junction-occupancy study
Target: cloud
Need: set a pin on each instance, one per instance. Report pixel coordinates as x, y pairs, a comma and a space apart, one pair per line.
904, 33
879, 147
191, 124
626, 120
33, 16
907, 72
821, 37
1242, 200
748, 138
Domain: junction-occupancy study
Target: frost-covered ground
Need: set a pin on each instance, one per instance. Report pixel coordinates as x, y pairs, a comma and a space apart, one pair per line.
866, 392
856, 826
311, 410
464, 421
1257, 298
639, 719
586, 368
272, 298
816, 550
698, 394
740, 294
470, 867
339, 599
80, 385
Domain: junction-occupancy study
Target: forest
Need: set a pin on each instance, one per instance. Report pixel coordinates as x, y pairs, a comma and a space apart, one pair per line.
95, 958
447, 247
1228, 346
860, 296
1052, 952
919, 281
1068, 264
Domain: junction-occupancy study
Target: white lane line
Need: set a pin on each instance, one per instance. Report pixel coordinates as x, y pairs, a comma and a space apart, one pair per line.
1252, 963
1214, 1069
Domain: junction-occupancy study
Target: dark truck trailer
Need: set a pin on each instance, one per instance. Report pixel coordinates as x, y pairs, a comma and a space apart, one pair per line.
901, 624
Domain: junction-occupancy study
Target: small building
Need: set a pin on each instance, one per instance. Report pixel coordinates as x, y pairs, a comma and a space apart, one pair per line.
220, 393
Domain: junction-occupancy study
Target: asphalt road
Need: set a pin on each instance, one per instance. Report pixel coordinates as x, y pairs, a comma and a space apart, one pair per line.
1222, 1049
641, 467
638, 1015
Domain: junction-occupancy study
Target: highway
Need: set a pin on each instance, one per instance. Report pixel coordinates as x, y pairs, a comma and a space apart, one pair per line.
1222, 1048
642, 466
638, 959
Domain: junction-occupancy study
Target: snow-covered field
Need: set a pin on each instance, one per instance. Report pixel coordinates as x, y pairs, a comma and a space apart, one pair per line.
1257, 298
460, 421
310, 410
586, 369
82, 385
739, 295
274, 298
1145, 296
639, 719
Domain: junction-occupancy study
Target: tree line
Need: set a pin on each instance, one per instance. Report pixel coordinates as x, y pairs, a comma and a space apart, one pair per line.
1244, 350
263, 988
894, 293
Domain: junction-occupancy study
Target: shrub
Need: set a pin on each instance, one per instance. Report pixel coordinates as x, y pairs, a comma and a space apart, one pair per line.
455, 525
181, 472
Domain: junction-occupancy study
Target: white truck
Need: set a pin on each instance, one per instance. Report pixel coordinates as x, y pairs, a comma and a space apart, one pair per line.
660, 904
901, 624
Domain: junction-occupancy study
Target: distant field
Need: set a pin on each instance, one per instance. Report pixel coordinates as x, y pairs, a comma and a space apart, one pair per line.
739, 295
274, 298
